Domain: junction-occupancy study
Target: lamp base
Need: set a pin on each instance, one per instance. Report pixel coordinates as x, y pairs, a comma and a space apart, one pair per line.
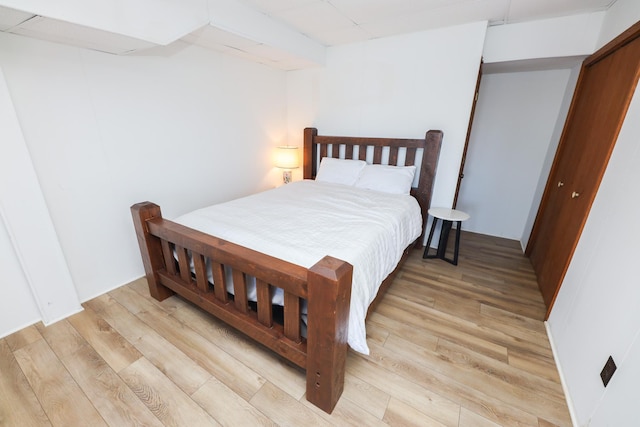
286, 177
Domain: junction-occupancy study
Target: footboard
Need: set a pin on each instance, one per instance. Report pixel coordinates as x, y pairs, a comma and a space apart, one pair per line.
326, 286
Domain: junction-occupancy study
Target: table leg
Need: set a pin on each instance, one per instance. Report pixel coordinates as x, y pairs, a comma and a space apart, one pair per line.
444, 239
457, 248
426, 249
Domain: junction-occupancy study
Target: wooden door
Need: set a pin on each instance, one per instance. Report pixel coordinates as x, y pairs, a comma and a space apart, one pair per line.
606, 84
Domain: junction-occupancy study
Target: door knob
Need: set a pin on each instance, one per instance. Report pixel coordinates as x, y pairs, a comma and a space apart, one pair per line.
574, 195
560, 184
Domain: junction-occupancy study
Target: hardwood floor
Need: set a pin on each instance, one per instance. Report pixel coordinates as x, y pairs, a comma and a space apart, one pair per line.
450, 346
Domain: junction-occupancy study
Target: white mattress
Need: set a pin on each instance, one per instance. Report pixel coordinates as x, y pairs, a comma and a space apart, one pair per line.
303, 221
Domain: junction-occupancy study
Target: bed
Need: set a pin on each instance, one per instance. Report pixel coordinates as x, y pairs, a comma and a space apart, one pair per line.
188, 259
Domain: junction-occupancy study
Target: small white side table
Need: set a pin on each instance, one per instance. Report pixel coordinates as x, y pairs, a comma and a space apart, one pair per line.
448, 217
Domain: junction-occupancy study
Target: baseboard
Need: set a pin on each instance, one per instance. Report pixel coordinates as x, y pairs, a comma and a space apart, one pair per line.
567, 396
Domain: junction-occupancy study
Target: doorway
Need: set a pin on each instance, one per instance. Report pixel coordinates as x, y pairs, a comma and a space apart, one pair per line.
516, 121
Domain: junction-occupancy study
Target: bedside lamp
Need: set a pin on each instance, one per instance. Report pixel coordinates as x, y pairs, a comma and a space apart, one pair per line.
287, 159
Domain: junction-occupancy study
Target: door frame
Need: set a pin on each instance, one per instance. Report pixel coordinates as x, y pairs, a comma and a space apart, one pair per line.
466, 141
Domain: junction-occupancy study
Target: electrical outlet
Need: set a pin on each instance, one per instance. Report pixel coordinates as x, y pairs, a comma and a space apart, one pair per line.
607, 371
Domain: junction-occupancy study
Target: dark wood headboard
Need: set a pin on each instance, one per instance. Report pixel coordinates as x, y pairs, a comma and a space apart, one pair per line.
421, 152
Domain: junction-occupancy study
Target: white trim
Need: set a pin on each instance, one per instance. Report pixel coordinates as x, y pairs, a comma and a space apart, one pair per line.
567, 396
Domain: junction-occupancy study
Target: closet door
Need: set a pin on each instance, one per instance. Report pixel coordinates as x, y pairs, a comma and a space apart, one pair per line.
606, 84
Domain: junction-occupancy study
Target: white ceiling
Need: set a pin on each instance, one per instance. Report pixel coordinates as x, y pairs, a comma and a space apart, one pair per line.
336, 22
324, 22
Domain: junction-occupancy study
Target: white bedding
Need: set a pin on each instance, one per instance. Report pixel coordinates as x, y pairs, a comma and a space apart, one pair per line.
303, 221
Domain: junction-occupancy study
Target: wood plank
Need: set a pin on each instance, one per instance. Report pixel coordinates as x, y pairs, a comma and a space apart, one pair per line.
443, 325
115, 402
19, 405
271, 400
368, 397
347, 413
502, 376
544, 367
227, 407
430, 403
23, 337
471, 419
239, 377
167, 402
176, 365
62, 400
454, 328
399, 413
110, 345
417, 336
511, 386
289, 378
433, 393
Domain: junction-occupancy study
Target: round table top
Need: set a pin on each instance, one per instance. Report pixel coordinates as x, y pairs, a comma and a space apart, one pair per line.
449, 214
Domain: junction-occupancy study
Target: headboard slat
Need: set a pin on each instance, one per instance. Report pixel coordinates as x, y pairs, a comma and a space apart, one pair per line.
362, 152
393, 156
411, 156
348, 152
377, 155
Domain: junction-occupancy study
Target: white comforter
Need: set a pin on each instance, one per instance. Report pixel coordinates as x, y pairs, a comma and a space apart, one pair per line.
303, 221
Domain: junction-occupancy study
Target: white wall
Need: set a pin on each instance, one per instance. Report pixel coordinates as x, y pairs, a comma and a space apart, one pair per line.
597, 311
565, 36
515, 118
24, 214
180, 126
398, 86
622, 15
18, 309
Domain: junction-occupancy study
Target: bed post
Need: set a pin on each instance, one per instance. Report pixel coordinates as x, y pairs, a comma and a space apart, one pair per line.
329, 288
150, 247
433, 142
310, 154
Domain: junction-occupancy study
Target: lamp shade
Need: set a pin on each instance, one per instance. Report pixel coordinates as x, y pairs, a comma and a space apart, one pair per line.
287, 157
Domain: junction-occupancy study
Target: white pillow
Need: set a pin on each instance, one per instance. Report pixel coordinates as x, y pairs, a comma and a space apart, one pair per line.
388, 179
339, 171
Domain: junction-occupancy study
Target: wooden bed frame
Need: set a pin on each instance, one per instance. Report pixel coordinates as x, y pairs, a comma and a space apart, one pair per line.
326, 286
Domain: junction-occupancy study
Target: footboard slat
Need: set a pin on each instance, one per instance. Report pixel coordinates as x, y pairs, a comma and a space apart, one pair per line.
169, 260
240, 291
183, 264
220, 288
292, 317
265, 309
200, 270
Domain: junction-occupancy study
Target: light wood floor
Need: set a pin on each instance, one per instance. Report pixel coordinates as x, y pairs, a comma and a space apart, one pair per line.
450, 346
